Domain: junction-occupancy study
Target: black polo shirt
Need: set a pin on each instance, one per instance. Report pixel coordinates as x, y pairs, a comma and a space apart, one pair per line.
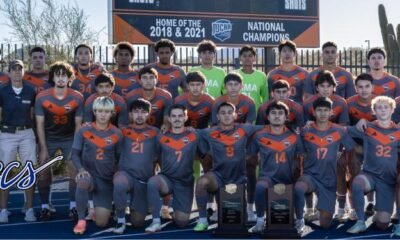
16, 109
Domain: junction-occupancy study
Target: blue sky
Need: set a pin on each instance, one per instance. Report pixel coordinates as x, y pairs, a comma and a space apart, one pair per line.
347, 22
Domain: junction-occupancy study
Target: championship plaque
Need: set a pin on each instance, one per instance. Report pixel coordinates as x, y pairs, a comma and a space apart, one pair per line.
231, 212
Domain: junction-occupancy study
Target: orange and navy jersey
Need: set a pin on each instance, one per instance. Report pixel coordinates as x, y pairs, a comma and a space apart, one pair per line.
4, 79
295, 118
120, 117
84, 80
228, 148
359, 110
340, 112
170, 78
125, 81
380, 150
199, 115
295, 77
245, 109
160, 103
322, 147
177, 154
59, 114
38, 81
99, 149
396, 114
139, 151
344, 79
388, 85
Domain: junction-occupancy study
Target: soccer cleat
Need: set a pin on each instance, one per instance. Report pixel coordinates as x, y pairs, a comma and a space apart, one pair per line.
299, 225
200, 227
210, 212
45, 214
91, 215
30, 215
154, 227
396, 230
165, 214
119, 228
52, 208
341, 217
251, 216
4, 216
258, 228
370, 210
353, 215
357, 228
80, 227
73, 213
311, 215
214, 217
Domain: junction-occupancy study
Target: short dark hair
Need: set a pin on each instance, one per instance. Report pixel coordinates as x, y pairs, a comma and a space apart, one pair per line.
376, 50
164, 43
60, 66
150, 70
224, 104
37, 49
104, 77
280, 84
279, 105
206, 45
177, 106
140, 103
247, 48
233, 77
288, 43
329, 44
365, 77
83, 45
195, 76
322, 102
325, 76
124, 46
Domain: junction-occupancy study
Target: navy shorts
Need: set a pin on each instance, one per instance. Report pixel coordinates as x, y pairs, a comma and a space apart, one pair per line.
64, 145
183, 194
102, 193
138, 191
326, 195
384, 193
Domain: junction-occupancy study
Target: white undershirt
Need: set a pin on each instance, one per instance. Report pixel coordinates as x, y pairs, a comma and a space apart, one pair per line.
17, 90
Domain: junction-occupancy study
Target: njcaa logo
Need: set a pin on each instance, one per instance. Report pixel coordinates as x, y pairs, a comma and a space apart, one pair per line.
222, 29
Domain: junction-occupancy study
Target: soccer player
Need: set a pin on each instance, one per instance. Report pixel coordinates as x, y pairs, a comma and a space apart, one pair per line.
170, 76
254, 81
16, 134
384, 83
159, 98
58, 113
245, 108
214, 75
289, 71
344, 79
178, 150
322, 140
227, 144
135, 166
381, 140
126, 78
278, 147
38, 77
281, 92
104, 87
85, 71
95, 153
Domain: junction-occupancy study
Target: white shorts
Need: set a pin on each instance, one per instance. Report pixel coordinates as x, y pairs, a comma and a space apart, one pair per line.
23, 142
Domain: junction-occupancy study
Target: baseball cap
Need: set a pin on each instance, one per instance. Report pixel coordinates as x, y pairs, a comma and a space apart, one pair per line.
14, 63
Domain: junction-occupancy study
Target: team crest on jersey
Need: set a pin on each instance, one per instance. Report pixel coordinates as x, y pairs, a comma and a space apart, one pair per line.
154, 107
385, 87
329, 139
391, 138
92, 76
201, 114
146, 135
171, 76
108, 140
239, 112
67, 107
132, 79
236, 135
296, 78
286, 142
185, 140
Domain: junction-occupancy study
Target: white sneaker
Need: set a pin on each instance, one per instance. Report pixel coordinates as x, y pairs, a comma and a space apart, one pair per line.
341, 216
4, 216
251, 216
299, 225
311, 215
52, 208
353, 215
30, 215
214, 216
90, 215
358, 227
258, 228
154, 227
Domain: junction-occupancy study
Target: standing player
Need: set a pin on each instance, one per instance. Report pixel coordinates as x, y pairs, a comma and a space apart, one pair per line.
58, 113
322, 141
254, 81
38, 77
381, 140
278, 147
178, 150
16, 135
85, 71
344, 79
125, 77
214, 75
289, 71
384, 83
159, 98
104, 88
138, 156
95, 155
170, 76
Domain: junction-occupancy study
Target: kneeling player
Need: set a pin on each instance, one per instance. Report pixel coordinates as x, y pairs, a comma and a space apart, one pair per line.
94, 153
